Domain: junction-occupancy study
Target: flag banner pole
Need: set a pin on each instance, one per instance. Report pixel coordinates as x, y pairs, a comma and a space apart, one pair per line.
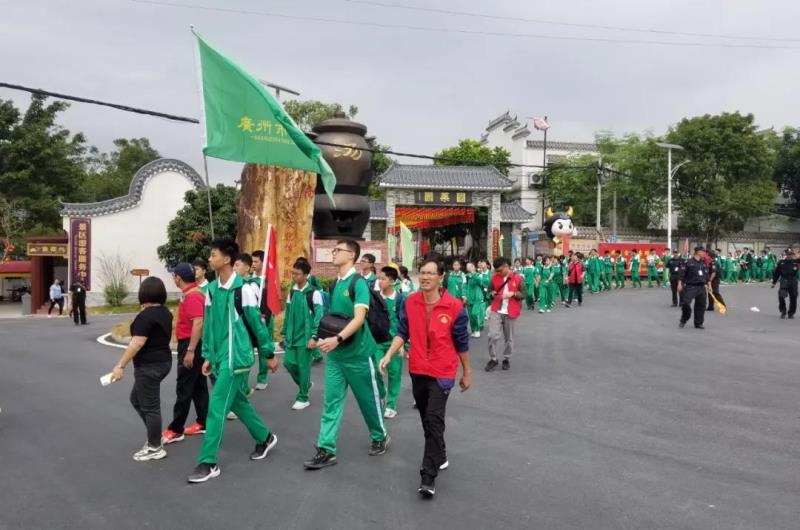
263, 274
208, 195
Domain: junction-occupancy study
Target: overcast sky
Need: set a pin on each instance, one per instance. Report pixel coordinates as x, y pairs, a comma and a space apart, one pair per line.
418, 91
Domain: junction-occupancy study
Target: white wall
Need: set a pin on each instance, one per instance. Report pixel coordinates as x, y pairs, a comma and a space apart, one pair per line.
135, 234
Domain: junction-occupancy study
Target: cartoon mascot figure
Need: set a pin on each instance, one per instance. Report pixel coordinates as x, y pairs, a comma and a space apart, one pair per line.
558, 225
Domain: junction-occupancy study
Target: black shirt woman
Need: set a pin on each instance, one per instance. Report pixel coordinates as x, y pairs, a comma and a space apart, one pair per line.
150, 352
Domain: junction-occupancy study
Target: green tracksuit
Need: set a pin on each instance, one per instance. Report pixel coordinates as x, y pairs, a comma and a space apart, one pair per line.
351, 365
665, 271
455, 284
651, 261
476, 305
608, 272
316, 355
593, 266
228, 349
636, 271
394, 371
263, 371
619, 274
546, 289
537, 273
559, 271
300, 324
529, 273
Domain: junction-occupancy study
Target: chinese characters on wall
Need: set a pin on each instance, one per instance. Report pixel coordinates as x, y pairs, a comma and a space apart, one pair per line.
80, 263
443, 198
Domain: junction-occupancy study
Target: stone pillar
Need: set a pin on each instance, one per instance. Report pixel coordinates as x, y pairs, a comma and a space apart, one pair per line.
391, 204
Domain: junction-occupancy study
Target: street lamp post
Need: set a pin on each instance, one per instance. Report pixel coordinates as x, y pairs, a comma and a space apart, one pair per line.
669, 148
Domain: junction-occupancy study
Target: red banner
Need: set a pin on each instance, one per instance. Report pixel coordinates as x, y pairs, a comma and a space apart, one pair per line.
419, 218
643, 249
80, 252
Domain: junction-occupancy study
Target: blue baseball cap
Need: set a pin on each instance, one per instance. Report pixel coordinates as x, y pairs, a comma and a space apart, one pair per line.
183, 270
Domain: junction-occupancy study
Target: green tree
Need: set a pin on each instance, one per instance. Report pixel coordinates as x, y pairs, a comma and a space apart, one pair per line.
188, 234
109, 174
306, 114
787, 166
473, 153
730, 177
380, 163
40, 163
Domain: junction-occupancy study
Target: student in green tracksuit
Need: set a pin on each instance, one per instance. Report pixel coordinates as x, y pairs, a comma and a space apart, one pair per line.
316, 355
228, 355
518, 268
485, 273
394, 370
368, 269
243, 266
608, 270
300, 325
349, 362
476, 304
619, 270
594, 267
546, 287
771, 262
665, 257
406, 285
561, 271
652, 268
736, 266
636, 269
529, 273
537, 273
456, 282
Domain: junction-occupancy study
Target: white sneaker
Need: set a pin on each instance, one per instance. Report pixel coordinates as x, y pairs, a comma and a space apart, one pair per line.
541, 310
300, 405
262, 386
390, 413
232, 416
445, 465
149, 453
549, 311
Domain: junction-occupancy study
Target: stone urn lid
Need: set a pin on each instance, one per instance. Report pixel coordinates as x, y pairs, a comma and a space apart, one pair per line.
340, 123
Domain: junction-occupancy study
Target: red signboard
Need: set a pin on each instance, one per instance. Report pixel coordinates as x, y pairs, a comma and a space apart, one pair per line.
80, 252
643, 249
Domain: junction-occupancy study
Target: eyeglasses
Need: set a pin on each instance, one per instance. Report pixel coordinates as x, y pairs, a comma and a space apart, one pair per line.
426, 273
337, 250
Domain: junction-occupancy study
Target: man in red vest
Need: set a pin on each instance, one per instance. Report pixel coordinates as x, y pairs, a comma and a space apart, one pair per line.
507, 292
437, 326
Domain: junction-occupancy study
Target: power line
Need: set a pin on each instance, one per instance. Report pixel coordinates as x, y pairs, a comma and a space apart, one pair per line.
126, 108
466, 31
568, 24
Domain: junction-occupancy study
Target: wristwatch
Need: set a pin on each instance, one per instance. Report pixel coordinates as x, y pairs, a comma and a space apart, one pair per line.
339, 339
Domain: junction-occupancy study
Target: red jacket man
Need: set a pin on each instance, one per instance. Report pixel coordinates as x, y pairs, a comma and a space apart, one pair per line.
506, 287
575, 272
514, 285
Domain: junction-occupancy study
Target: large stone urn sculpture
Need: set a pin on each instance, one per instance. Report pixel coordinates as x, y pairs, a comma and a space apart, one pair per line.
353, 169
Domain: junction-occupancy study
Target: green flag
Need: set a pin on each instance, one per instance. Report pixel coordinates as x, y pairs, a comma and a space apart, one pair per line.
407, 246
244, 123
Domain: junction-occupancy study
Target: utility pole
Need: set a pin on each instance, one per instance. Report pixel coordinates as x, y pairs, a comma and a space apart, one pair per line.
598, 224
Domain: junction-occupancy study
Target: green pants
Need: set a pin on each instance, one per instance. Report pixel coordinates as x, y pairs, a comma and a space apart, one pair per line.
607, 280
394, 376
297, 360
546, 293
536, 293
619, 280
530, 296
595, 282
358, 374
561, 289
263, 369
636, 278
652, 274
227, 395
477, 316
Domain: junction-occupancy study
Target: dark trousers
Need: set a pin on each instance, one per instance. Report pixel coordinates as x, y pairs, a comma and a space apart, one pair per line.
191, 388
431, 402
791, 292
716, 293
696, 294
673, 284
79, 307
575, 291
146, 397
60, 303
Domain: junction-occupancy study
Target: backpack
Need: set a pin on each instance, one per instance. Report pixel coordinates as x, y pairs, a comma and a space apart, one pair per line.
378, 313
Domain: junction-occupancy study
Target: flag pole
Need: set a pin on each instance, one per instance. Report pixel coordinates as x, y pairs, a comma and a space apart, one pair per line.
208, 195
266, 254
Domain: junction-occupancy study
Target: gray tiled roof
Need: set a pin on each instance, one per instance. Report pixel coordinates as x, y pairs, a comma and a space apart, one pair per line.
499, 120
512, 212
444, 177
564, 146
134, 196
377, 210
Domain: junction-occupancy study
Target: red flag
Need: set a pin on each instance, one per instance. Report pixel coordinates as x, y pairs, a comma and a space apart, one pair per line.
272, 278
541, 124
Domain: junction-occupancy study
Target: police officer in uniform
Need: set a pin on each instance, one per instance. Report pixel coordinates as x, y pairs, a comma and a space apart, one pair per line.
693, 285
674, 265
714, 279
786, 271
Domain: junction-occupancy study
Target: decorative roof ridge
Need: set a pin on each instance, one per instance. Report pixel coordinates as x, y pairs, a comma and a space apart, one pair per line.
499, 120
135, 190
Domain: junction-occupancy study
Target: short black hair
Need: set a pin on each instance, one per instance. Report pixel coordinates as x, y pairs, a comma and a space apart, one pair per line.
200, 262
303, 266
245, 258
369, 257
439, 265
258, 254
353, 246
227, 246
403, 271
391, 272
152, 291
499, 262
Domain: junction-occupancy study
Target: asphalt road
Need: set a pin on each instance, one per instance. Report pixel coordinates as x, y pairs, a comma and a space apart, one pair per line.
610, 418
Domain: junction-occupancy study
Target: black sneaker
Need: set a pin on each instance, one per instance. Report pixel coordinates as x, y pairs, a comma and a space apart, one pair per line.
791, 317
322, 459
700, 327
378, 448
261, 450
203, 472
783, 316
682, 324
491, 365
426, 487
506, 364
